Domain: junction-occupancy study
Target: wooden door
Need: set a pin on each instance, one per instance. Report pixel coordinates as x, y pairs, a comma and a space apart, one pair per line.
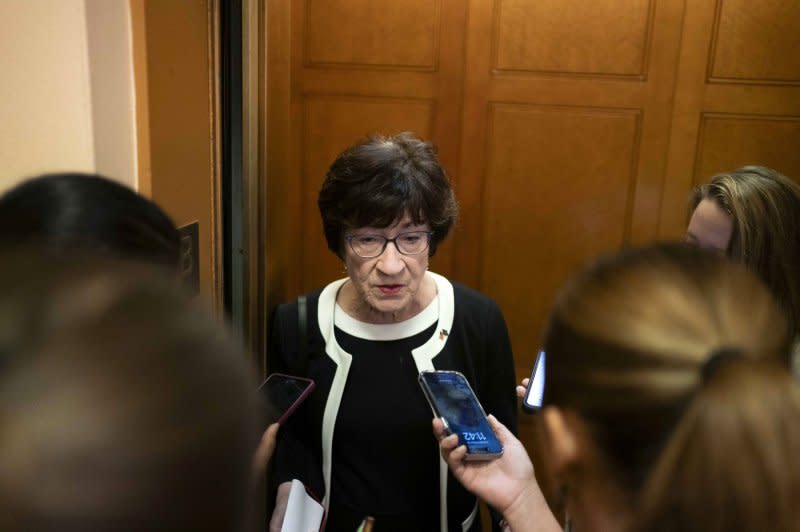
737, 96
338, 70
569, 127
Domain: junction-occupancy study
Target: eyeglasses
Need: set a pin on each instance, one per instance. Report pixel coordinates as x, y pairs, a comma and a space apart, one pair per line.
371, 246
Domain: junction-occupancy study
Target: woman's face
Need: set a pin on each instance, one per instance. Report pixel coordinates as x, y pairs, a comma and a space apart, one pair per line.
710, 226
389, 283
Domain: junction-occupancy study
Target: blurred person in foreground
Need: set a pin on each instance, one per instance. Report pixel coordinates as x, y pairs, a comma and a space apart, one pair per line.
122, 405
668, 404
69, 211
61, 213
362, 440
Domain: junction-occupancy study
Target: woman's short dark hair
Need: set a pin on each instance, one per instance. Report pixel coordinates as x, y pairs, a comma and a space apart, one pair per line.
72, 210
380, 179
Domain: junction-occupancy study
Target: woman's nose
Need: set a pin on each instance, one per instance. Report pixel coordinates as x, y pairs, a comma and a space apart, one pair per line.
391, 260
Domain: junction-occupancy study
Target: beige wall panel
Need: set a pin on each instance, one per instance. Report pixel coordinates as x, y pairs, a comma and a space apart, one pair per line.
542, 36
331, 124
45, 95
756, 41
557, 192
108, 25
727, 142
368, 33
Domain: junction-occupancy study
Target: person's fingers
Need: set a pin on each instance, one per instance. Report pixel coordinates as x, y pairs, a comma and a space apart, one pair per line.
267, 445
271, 434
265, 449
279, 512
503, 434
449, 443
525, 382
438, 428
520, 391
458, 454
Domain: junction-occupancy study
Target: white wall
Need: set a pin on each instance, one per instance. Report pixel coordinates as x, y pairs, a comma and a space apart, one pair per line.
66, 89
108, 24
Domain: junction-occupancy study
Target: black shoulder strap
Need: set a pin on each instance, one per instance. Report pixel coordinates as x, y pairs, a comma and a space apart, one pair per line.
302, 336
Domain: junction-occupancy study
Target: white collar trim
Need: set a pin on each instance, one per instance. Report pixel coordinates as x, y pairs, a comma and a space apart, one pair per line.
423, 358
387, 331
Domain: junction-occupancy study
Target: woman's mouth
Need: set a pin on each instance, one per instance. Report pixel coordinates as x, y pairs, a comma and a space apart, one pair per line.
389, 289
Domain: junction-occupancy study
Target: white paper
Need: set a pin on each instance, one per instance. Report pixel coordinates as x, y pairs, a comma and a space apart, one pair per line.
303, 513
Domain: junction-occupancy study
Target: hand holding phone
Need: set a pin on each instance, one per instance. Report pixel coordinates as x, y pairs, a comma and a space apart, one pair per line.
281, 395
534, 393
452, 400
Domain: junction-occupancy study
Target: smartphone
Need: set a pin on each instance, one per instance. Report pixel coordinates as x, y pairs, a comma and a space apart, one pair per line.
281, 395
452, 400
534, 394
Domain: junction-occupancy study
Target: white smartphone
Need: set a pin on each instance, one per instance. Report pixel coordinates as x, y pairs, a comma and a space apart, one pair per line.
534, 394
452, 400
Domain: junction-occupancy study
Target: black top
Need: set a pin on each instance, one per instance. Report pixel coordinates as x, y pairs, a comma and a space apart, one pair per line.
476, 344
384, 473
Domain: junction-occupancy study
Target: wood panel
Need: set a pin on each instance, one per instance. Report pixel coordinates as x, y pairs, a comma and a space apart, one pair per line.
341, 70
756, 42
730, 141
331, 124
364, 33
639, 85
573, 208
541, 36
175, 62
737, 97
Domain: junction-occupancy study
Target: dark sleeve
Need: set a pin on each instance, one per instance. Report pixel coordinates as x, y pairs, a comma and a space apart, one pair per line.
294, 456
498, 376
499, 381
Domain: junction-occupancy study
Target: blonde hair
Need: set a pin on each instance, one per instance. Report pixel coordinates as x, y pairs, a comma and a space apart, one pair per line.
765, 208
627, 345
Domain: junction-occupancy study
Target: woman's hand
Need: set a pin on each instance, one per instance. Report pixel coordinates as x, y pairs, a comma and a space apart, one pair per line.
264, 450
281, 500
521, 387
498, 482
506, 483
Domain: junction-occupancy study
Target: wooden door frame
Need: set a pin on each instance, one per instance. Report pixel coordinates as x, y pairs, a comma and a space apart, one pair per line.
254, 179
141, 32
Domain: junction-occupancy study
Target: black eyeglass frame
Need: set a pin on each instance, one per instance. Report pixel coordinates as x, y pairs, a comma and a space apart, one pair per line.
386, 241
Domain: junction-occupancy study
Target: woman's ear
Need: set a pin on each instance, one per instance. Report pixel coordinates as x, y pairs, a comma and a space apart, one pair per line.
561, 439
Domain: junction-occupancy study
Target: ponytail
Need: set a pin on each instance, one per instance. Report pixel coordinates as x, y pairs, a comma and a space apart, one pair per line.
733, 460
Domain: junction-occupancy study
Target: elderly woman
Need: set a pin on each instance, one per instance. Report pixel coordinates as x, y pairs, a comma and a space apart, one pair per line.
362, 440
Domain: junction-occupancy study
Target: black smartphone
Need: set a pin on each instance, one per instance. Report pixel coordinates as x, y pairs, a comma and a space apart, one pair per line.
281, 395
452, 400
534, 394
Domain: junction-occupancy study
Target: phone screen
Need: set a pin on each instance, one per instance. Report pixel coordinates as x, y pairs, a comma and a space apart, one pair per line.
281, 394
535, 392
453, 400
